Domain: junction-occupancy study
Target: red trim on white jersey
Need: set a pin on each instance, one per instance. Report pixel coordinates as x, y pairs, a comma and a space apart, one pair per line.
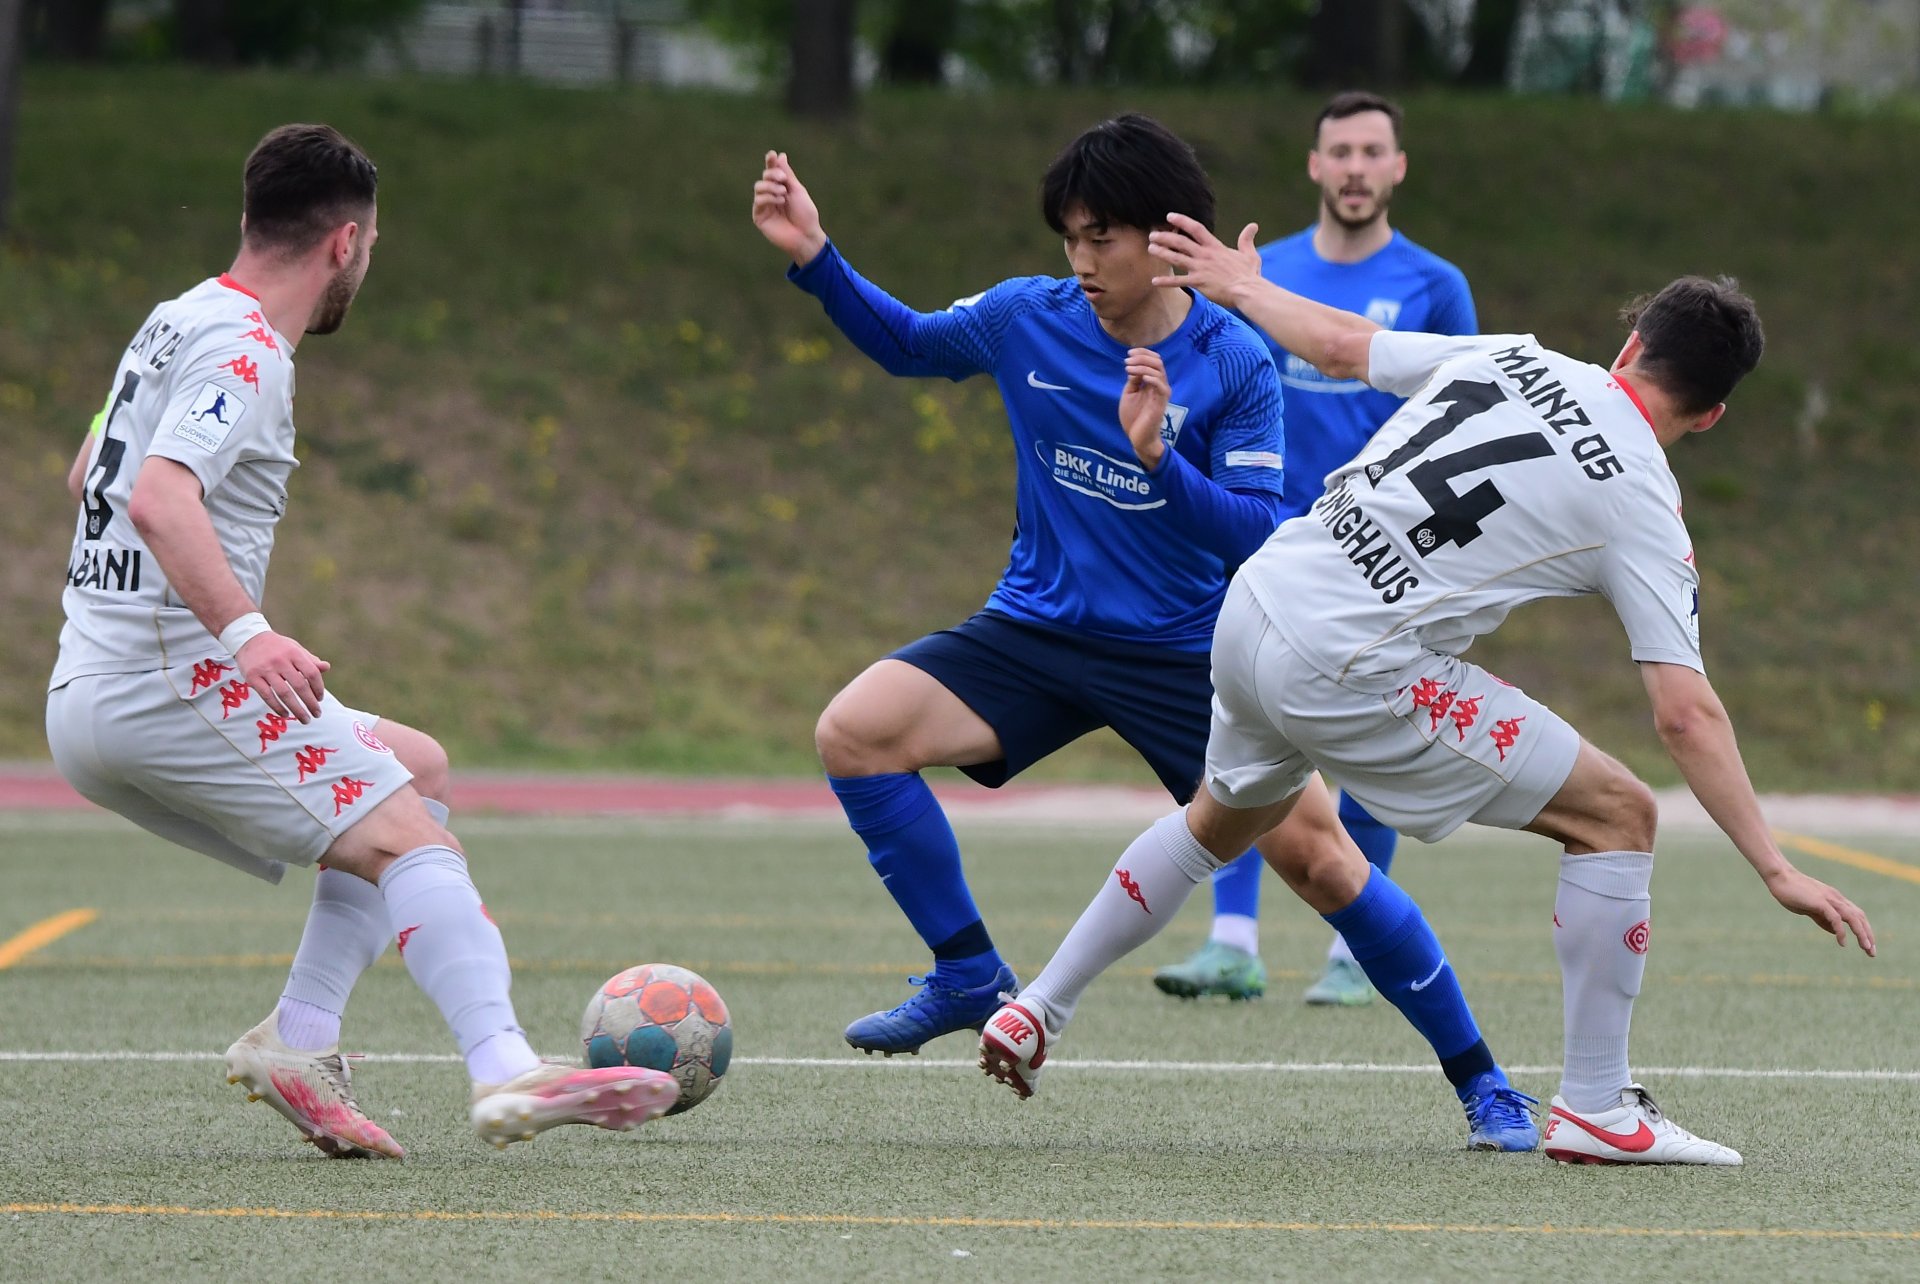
1634, 397
232, 284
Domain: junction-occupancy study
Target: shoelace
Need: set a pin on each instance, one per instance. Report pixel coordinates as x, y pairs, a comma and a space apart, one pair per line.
1503, 1105
337, 1073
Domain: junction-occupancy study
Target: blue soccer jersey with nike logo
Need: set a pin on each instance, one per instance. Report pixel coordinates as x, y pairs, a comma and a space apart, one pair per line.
1401, 287
1101, 545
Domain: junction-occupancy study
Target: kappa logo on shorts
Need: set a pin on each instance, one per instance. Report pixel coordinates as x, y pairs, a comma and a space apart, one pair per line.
206, 674
310, 759
347, 791
271, 728
365, 736
1505, 733
1464, 712
232, 696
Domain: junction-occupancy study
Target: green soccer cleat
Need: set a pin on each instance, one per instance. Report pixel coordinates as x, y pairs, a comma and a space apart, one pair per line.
1342, 985
1215, 968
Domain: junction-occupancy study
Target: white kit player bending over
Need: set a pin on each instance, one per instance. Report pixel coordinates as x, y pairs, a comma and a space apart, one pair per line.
175, 704
1513, 473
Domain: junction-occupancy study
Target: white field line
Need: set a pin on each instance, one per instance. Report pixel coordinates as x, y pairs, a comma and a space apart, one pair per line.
1093, 1065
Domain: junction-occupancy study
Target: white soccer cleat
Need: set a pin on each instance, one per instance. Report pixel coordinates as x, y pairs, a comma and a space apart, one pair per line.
1634, 1132
1013, 1047
616, 1097
312, 1089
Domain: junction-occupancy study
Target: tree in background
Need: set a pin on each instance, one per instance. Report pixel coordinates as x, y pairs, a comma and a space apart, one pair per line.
69, 30
820, 62
222, 32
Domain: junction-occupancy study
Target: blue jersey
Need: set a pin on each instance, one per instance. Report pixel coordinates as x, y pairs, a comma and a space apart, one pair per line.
1401, 287
1101, 545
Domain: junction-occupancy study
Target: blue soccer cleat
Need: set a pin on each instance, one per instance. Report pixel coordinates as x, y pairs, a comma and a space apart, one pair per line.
1499, 1116
937, 1009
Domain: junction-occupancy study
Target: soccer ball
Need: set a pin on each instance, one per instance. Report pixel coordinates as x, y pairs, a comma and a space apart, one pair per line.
661, 1017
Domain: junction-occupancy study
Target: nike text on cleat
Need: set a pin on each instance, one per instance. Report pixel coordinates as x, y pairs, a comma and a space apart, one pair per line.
1634, 1132
312, 1090
1499, 1116
938, 1008
1215, 968
1013, 1047
1344, 984
1035, 381
547, 1096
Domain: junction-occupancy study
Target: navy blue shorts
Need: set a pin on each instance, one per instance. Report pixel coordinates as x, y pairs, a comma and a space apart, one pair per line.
1041, 689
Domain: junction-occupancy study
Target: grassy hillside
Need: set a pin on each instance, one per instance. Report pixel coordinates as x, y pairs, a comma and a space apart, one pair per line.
586, 483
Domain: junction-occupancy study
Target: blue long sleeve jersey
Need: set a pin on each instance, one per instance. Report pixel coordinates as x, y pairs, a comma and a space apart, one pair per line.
1101, 545
1402, 287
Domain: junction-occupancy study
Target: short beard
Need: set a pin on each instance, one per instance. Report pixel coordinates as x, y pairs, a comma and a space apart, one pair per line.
1332, 205
331, 311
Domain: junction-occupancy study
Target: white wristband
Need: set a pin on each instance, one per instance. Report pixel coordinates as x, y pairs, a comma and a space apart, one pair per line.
242, 631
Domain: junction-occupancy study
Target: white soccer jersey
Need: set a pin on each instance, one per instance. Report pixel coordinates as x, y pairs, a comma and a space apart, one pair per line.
208, 383
1513, 473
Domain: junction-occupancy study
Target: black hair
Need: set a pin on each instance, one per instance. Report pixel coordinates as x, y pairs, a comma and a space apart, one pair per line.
1130, 171
1352, 103
301, 182
1699, 338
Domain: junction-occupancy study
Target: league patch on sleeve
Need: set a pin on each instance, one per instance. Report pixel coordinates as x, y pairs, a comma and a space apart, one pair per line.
216, 411
1692, 594
1254, 459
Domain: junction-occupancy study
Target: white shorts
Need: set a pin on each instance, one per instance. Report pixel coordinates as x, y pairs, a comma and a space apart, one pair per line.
193, 755
1452, 745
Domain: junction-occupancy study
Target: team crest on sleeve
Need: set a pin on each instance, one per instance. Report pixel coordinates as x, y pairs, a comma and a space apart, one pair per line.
1171, 425
216, 411
1383, 312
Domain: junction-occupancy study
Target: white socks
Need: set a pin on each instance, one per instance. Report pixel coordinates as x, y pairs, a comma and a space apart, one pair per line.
456, 955
1339, 951
346, 933
1600, 936
1241, 931
1146, 889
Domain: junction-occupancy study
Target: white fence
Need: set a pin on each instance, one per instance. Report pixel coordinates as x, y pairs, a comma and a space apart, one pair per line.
646, 42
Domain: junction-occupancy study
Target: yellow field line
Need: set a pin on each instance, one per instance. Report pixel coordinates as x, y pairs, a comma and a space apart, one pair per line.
1849, 856
969, 1223
44, 933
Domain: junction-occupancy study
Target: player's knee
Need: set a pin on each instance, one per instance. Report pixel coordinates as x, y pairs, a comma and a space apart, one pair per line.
432, 770
849, 744
1637, 813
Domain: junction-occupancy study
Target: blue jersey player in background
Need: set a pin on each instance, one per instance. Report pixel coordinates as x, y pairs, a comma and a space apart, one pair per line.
1352, 259
1147, 430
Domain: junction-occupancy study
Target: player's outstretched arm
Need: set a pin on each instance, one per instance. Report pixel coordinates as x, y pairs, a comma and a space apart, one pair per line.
1698, 735
1334, 341
784, 211
167, 509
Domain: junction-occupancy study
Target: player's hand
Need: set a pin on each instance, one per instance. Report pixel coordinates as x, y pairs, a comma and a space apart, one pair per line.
284, 674
785, 213
1143, 404
1206, 263
1824, 905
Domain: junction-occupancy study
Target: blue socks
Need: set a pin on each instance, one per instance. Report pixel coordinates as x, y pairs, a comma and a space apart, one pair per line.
912, 848
1400, 954
1236, 888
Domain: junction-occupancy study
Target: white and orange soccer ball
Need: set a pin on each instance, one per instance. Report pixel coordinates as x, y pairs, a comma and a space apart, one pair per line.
661, 1017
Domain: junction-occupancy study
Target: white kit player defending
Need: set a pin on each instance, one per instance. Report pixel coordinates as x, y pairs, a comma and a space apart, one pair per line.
1513, 473
174, 704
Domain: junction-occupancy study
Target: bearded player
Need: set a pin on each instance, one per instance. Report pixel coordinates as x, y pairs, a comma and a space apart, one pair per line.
174, 702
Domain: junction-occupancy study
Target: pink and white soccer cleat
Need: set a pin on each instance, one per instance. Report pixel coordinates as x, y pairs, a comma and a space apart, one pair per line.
616, 1097
312, 1089
1013, 1047
1634, 1132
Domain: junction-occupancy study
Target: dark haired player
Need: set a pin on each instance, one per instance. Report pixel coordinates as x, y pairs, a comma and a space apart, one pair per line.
1352, 258
175, 704
1513, 473
1148, 437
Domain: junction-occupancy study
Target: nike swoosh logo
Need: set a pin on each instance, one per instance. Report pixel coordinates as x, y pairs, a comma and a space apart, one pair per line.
1431, 976
1035, 381
1633, 1142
